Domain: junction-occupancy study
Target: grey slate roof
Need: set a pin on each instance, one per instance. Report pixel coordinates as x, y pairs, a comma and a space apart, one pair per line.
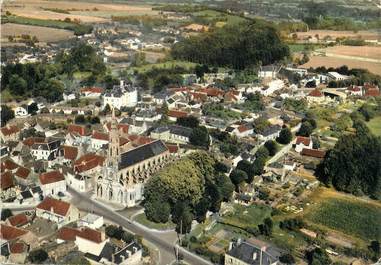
246, 252
180, 130
142, 153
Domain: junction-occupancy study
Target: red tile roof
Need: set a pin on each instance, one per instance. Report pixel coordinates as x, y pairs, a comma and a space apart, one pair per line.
70, 152
172, 148
138, 140
51, 177
91, 235
372, 92
54, 205
100, 136
22, 172
7, 180
92, 90
243, 128
121, 127
74, 128
33, 140
9, 130
199, 96
212, 92
313, 152
18, 220
304, 140
67, 233
10, 165
18, 247
87, 162
8, 232
123, 141
177, 113
315, 93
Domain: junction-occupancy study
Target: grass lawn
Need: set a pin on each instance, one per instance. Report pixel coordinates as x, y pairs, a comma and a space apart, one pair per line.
287, 239
349, 216
296, 47
165, 65
6, 96
375, 125
81, 75
247, 216
142, 219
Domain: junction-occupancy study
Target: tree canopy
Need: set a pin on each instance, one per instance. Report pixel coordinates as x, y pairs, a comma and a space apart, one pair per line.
238, 46
354, 164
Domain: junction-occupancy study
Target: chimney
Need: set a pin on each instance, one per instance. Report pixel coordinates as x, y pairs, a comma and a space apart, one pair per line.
230, 245
121, 83
254, 255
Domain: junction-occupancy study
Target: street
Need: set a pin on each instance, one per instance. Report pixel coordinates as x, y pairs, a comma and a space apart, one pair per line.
159, 239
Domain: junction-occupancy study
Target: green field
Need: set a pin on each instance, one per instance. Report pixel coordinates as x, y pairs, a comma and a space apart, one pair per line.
165, 65
78, 29
142, 219
375, 125
354, 218
216, 16
247, 216
296, 47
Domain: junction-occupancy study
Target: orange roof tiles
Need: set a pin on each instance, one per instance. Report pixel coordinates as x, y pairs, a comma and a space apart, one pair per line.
33, 140
9, 130
315, 93
8, 232
98, 90
51, 177
22, 172
18, 247
74, 128
177, 113
7, 180
18, 220
313, 153
91, 235
10, 165
67, 233
53, 205
305, 140
87, 162
70, 152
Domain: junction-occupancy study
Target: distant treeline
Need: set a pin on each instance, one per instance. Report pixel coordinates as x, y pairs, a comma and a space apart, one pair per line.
239, 46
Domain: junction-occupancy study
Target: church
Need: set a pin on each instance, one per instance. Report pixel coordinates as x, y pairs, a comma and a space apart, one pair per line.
124, 174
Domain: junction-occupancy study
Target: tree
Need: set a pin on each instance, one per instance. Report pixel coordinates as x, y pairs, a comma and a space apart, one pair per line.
267, 227
32, 108
80, 119
367, 111
38, 256
5, 214
6, 114
285, 136
362, 172
317, 256
157, 211
201, 209
305, 129
127, 237
225, 186
182, 217
95, 120
114, 231
238, 176
246, 166
287, 258
272, 147
199, 137
375, 247
17, 85
190, 121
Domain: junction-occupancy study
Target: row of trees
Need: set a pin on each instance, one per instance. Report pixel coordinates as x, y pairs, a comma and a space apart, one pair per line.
186, 190
238, 46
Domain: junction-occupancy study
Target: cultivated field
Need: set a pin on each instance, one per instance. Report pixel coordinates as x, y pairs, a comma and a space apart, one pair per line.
347, 214
59, 10
43, 34
316, 61
365, 35
371, 52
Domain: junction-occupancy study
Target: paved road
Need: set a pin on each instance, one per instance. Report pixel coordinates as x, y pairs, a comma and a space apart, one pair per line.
166, 248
